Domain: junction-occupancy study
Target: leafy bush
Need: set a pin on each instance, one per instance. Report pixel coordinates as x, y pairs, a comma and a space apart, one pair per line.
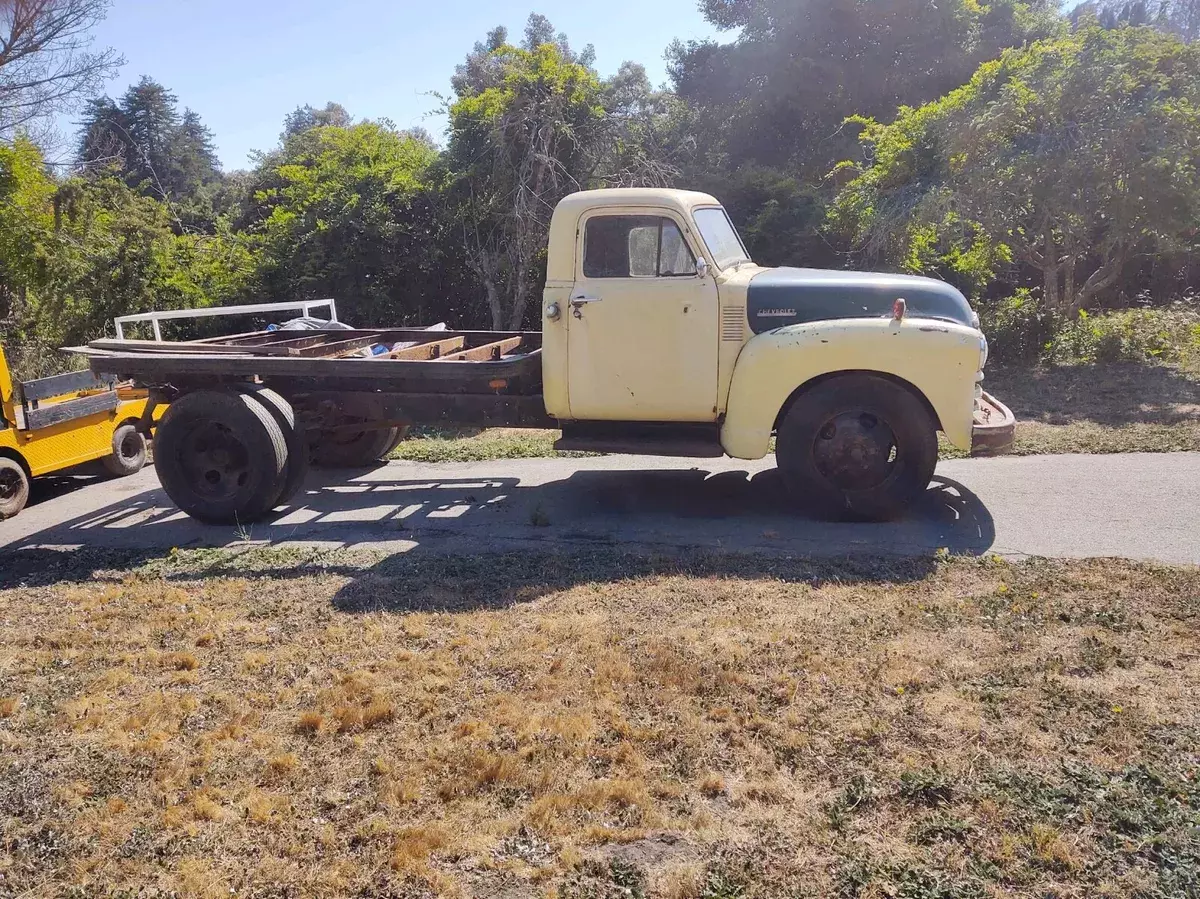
1170, 334
1018, 327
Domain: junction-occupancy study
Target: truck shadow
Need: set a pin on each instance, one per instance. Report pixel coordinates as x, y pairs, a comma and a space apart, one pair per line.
661, 511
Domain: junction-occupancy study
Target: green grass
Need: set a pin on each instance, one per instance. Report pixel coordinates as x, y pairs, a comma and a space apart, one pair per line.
475, 445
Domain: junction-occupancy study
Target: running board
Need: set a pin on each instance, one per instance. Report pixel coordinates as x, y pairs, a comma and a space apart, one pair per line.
642, 439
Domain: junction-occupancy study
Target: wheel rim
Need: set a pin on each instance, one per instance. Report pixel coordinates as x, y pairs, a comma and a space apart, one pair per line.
216, 462
130, 447
10, 485
856, 450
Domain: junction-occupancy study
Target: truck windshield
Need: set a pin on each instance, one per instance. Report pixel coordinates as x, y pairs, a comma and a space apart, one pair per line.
720, 237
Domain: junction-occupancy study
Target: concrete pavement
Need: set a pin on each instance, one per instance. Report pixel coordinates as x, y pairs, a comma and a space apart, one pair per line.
1141, 506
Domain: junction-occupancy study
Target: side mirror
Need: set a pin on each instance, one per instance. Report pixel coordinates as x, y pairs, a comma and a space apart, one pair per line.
702, 267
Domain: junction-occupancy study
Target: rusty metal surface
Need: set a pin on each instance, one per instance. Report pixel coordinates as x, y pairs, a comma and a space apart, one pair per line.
994, 429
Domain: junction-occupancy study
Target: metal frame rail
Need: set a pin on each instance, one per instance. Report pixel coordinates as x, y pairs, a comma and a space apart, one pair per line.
304, 307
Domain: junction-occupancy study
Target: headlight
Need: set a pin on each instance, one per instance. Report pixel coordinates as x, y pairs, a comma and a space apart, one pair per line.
983, 352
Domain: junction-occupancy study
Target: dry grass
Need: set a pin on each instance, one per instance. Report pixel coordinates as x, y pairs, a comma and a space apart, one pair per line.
1102, 408
606, 726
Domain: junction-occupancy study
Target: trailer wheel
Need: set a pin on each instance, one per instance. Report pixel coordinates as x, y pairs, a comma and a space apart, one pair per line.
14, 487
221, 457
353, 449
297, 442
857, 447
129, 451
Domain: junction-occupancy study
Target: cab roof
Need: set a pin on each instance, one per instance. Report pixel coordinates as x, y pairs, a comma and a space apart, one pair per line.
635, 196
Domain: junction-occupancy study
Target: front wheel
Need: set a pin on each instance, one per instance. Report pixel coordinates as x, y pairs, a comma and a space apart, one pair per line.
857, 447
14, 487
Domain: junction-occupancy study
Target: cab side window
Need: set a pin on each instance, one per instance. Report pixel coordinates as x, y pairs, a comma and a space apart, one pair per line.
635, 246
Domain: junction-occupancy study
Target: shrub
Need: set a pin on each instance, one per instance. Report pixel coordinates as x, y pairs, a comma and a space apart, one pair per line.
1170, 334
1018, 327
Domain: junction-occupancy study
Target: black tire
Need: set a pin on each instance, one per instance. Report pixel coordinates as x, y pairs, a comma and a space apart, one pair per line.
129, 451
353, 449
857, 447
221, 457
401, 435
14, 487
297, 441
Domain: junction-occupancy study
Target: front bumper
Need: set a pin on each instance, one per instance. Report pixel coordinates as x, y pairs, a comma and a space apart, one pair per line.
993, 429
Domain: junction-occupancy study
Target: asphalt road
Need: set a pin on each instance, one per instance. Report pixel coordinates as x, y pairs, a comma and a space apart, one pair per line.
1142, 506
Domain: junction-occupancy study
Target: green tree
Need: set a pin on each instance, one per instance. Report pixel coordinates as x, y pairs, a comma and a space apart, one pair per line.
302, 118
777, 95
77, 252
344, 212
26, 230
763, 123
115, 251
151, 120
158, 152
1070, 158
525, 130
1179, 17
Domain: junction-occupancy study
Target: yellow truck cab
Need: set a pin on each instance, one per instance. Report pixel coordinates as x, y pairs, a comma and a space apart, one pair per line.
56, 423
659, 335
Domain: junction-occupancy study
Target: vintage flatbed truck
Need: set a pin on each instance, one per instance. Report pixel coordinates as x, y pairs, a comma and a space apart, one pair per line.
659, 335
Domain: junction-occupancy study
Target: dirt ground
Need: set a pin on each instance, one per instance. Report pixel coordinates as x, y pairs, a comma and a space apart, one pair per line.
299, 723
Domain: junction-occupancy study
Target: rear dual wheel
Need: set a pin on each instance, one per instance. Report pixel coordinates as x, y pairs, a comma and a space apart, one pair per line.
348, 447
229, 457
354, 449
297, 442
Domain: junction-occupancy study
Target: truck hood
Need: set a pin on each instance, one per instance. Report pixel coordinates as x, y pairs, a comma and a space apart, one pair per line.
789, 296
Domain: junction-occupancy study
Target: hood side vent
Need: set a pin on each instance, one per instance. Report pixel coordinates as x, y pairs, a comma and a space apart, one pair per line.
733, 323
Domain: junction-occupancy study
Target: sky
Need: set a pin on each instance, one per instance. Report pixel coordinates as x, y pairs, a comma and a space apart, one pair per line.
244, 65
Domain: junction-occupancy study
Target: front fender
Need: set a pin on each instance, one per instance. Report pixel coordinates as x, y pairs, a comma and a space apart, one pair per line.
939, 359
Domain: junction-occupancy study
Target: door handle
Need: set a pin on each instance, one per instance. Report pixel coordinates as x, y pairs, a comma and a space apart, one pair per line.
579, 301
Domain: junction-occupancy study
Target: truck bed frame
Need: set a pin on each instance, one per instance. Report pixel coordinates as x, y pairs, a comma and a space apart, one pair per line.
484, 364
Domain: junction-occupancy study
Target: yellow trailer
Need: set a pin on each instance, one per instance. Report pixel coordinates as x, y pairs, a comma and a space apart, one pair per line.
56, 423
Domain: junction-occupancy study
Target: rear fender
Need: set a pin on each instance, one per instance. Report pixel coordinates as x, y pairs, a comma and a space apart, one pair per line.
939, 360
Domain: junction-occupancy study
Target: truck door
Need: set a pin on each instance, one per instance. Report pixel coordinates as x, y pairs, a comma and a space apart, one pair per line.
641, 324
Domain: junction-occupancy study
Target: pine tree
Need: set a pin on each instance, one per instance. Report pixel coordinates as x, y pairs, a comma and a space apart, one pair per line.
159, 153
193, 158
152, 119
103, 134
